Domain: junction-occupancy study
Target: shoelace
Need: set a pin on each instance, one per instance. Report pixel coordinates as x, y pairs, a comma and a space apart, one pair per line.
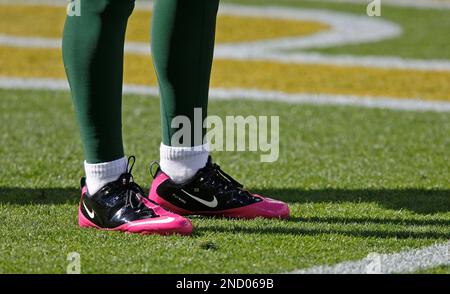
223, 180
226, 176
131, 190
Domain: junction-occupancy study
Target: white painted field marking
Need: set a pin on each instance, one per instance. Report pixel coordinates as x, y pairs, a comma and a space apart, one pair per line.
252, 94
345, 29
292, 58
386, 62
402, 262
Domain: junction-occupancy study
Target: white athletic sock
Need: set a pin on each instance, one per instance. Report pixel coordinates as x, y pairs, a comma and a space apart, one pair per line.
100, 174
181, 163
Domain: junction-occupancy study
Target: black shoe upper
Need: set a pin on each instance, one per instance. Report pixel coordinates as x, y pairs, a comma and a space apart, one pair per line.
210, 189
115, 204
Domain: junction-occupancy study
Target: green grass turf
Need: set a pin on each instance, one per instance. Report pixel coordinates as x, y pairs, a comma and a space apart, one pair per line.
357, 180
425, 31
436, 270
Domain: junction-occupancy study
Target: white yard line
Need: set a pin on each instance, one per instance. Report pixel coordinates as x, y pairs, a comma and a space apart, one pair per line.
402, 262
253, 94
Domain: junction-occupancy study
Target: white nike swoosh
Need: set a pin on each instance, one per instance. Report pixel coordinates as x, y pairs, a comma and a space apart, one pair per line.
90, 213
156, 221
211, 204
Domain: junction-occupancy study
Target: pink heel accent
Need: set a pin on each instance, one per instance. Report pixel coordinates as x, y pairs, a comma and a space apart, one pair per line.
83, 222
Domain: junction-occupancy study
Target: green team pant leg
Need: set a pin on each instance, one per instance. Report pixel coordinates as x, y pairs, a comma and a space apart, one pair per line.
93, 45
183, 33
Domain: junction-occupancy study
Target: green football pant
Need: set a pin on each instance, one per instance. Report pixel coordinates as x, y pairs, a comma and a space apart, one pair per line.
93, 50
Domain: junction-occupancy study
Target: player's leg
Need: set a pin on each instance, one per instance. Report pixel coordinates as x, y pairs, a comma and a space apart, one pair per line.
183, 35
93, 49
187, 181
93, 45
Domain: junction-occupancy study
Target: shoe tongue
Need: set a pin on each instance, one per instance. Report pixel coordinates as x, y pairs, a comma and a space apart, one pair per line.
209, 164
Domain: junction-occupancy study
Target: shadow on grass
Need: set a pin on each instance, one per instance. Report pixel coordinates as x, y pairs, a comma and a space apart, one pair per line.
369, 220
421, 201
365, 232
24, 196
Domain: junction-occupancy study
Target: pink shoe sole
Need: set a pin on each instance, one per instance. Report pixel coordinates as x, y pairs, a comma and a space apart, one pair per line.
163, 225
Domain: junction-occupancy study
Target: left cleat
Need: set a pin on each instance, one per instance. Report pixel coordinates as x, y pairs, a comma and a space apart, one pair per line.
121, 206
212, 192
